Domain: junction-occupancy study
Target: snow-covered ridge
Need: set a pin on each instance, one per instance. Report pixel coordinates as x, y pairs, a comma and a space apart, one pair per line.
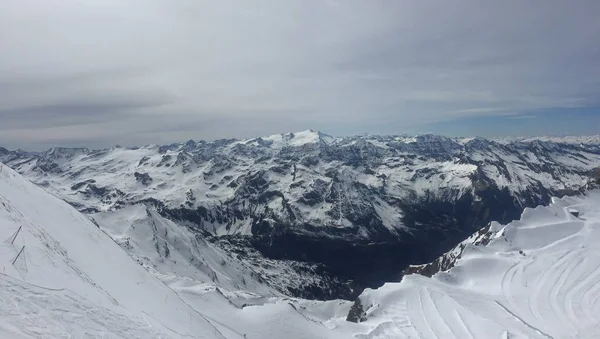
583, 139
278, 141
63, 276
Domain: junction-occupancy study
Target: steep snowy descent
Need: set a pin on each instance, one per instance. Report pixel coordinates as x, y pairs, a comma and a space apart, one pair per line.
168, 249
62, 276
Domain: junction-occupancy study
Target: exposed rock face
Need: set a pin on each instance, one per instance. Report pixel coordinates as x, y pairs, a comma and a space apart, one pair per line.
448, 259
143, 178
595, 176
357, 313
357, 209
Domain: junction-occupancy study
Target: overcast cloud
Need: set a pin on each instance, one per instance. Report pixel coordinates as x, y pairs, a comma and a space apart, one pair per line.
104, 72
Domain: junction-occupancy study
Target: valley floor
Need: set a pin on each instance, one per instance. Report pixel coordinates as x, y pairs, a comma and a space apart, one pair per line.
537, 278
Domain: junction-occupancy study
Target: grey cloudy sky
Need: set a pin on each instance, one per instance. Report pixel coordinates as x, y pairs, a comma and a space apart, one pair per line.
101, 72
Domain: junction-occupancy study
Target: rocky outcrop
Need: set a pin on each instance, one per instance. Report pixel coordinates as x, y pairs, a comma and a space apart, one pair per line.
357, 313
449, 259
143, 178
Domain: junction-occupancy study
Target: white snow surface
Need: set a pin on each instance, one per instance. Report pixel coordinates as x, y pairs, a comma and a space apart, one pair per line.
71, 279
537, 278
167, 248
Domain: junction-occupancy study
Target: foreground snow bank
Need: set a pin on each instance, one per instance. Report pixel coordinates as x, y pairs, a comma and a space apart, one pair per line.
538, 277
62, 276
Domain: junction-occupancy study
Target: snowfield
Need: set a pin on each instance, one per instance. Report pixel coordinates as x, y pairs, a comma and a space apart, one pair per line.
72, 280
538, 277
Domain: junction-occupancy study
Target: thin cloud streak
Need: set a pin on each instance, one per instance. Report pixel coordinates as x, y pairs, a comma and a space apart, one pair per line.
518, 117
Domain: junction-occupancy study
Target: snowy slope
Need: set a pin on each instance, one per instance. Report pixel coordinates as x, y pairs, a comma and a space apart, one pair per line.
166, 248
537, 278
71, 278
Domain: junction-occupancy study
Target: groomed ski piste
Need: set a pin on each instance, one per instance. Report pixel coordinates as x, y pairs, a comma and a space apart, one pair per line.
64, 277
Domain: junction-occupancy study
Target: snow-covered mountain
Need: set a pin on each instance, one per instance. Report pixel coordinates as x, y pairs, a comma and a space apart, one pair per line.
333, 214
63, 276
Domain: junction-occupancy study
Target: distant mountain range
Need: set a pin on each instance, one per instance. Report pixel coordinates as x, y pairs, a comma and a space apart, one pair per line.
306, 213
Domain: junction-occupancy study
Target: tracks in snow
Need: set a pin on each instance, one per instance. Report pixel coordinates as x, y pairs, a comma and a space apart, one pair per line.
550, 289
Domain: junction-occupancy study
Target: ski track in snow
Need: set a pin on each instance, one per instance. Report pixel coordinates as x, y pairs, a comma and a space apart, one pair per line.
538, 278
35, 311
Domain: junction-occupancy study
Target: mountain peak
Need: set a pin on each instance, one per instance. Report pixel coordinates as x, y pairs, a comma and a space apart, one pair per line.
294, 139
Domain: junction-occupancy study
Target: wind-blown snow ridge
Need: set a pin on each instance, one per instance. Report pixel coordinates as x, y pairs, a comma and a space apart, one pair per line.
537, 278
